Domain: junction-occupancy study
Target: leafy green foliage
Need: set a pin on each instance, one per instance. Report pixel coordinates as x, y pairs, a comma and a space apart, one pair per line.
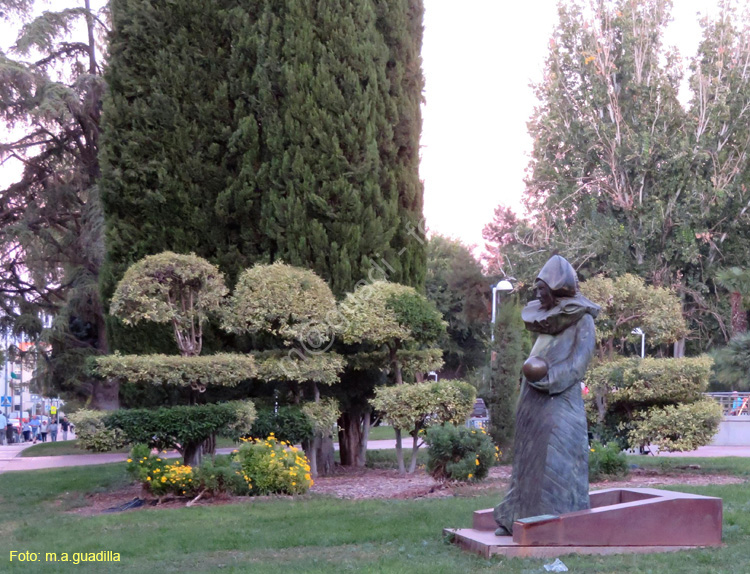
293, 365
460, 291
629, 399
625, 179
288, 302
677, 427
224, 369
288, 424
508, 354
391, 315
732, 363
417, 406
459, 453
182, 290
93, 434
271, 466
626, 303
419, 314
323, 415
183, 428
607, 461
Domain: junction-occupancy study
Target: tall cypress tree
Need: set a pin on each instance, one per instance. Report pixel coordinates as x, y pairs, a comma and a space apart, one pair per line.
251, 131
166, 128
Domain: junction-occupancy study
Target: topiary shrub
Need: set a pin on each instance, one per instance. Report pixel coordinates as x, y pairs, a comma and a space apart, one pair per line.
184, 428
271, 466
92, 433
606, 461
459, 453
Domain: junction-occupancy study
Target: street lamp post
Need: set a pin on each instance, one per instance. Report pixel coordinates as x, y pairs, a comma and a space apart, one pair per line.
639, 331
503, 286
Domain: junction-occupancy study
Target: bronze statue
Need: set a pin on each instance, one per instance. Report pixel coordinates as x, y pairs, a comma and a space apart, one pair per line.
550, 468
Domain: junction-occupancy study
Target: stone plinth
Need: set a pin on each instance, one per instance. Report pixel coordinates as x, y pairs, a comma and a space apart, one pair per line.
619, 521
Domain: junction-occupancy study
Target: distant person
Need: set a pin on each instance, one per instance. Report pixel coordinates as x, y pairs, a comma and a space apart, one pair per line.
26, 431
34, 424
44, 429
53, 430
3, 424
65, 427
736, 403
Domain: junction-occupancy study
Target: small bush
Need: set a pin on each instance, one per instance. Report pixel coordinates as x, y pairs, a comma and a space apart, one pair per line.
220, 476
92, 433
606, 461
161, 476
289, 424
459, 453
270, 466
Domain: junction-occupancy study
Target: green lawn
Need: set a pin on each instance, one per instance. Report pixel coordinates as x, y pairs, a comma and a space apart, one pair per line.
310, 534
61, 448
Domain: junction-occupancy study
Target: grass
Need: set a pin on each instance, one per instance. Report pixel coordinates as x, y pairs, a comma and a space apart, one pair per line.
309, 534
61, 448
734, 465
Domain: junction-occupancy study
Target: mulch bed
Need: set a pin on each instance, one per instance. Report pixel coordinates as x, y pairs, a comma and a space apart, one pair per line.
362, 483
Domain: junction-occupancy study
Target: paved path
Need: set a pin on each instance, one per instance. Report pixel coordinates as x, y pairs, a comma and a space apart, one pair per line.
10, 459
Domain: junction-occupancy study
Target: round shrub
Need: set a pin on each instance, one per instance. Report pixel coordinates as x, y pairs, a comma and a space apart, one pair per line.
459, 453
606, 461
270, 466
161, 476
92, 433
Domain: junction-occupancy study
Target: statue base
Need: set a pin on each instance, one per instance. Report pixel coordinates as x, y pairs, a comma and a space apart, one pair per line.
620, 521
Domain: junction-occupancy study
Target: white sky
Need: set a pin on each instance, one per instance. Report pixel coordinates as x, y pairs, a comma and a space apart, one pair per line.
479, 57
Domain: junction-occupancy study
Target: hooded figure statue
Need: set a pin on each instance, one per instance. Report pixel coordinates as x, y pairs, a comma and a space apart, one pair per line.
550, 450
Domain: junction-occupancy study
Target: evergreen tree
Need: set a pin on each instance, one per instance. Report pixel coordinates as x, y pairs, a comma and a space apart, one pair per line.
508, 353
249, 131
51, 229
456, 285
167, 122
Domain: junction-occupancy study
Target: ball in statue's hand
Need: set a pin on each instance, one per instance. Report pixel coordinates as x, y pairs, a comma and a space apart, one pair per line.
535, 369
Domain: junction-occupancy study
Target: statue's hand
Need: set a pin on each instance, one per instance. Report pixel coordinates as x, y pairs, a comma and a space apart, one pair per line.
535, 369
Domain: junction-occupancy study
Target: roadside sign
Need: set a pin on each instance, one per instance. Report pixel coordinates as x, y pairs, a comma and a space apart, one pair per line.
15, 375
53, 410
5, 401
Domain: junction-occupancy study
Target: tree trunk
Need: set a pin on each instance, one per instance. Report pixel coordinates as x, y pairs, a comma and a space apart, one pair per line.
354, 431
105, 395
739, 317
324, 456
314, 457
192, 453
414, 449
679, 348
400, 454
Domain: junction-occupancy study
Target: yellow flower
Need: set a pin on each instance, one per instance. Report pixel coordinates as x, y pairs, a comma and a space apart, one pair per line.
477, 461
130, 460
148, 478
164, 479
592, 450
471, 475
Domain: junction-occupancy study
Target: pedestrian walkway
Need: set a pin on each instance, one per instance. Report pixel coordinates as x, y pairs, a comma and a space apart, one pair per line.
10, 459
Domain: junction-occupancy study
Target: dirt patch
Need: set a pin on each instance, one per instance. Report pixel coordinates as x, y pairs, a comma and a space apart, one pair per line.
359, 483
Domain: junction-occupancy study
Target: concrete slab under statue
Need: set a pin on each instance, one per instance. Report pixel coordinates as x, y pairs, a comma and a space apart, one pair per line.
620, 521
